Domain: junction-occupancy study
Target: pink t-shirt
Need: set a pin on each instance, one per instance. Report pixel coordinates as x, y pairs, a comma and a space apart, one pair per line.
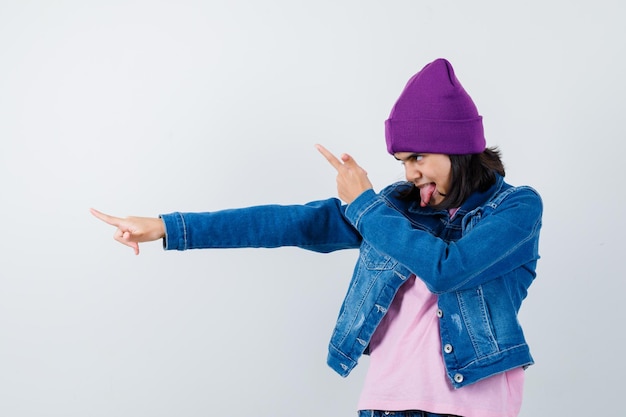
406, 369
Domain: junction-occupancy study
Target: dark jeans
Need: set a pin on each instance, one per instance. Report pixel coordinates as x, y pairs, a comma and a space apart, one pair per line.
408, 413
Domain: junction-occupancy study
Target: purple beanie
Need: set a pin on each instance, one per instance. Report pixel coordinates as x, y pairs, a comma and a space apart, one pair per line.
434, 114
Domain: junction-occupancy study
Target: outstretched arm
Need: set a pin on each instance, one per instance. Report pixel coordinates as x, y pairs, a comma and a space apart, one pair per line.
133, 230
318, 226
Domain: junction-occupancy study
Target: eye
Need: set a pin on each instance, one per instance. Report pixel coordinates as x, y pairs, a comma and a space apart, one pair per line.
413, 158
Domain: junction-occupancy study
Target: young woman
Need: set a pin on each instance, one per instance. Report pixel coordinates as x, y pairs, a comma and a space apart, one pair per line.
446, 258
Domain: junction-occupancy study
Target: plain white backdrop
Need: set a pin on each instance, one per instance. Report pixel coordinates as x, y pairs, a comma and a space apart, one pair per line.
148, 107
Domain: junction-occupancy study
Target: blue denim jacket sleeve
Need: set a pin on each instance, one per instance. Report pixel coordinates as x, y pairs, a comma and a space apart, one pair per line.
507, 236
318, 226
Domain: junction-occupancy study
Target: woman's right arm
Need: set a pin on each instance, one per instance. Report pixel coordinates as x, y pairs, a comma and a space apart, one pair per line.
318, 226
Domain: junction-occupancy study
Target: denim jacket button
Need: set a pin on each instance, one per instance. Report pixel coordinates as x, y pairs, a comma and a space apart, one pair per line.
439, 313
448, 348
458, 378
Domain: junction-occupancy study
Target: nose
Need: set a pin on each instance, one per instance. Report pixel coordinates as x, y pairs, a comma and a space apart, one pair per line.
411, 171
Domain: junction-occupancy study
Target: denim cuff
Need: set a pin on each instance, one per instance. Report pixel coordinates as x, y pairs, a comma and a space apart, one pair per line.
366, 201
175, 231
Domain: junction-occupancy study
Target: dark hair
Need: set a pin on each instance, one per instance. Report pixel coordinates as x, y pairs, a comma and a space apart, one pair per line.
474, 172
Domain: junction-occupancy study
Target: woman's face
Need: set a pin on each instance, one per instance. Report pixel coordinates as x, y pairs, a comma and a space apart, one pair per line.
430, 172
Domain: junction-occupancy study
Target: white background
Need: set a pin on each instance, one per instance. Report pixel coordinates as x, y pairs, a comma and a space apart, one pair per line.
148, 107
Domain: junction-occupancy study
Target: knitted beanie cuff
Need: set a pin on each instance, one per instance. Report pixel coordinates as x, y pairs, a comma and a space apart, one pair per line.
436, 136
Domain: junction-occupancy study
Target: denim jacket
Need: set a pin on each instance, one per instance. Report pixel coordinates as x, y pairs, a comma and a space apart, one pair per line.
479, 263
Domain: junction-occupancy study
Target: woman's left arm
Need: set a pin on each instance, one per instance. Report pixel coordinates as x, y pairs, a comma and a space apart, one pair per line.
500, 242
504, 240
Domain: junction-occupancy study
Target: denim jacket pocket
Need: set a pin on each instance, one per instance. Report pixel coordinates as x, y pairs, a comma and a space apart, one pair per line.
477, 320
374, 260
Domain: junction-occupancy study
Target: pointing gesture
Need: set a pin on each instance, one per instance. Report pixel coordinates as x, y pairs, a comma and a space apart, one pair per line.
133, 230
351, 178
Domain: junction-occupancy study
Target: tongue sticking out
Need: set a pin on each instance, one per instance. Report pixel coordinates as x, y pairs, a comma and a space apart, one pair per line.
426, 193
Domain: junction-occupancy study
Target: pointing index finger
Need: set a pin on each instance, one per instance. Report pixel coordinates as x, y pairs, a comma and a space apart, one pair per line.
113, 221
334, 161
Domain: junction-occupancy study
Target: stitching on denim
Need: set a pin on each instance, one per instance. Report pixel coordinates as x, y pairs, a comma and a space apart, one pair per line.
182, 219
362, 212
483, 358
484, 320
